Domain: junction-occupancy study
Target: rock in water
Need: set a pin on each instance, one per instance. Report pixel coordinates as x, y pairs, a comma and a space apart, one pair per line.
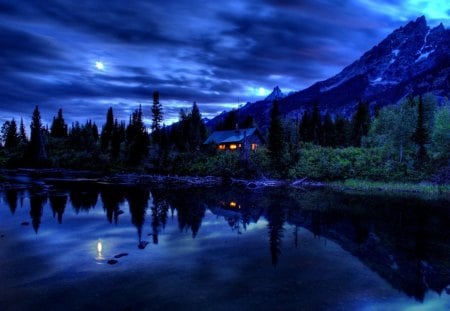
142, 244
121, 255
112, 262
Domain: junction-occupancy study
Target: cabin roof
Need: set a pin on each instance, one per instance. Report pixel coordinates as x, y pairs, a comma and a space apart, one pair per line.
231, 136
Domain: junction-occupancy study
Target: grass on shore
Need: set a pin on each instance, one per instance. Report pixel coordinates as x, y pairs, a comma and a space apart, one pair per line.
392, 187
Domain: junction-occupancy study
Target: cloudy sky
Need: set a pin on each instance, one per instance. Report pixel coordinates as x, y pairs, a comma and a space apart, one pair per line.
85, 56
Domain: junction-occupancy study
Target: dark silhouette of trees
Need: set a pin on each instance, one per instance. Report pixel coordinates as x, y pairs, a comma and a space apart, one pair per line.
157, 117
10, 136
328, 132
59, 126
229, 123
420, 136
275, 143
107, 130
360, 123
315, 126
118, 137
137, 138
36, 151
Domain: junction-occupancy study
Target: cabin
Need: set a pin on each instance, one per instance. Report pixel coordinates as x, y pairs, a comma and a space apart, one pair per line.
236, 140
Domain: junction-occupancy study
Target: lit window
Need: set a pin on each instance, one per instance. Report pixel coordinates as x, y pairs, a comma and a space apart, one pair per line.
221, 147
233, 204
233, 147
254, 147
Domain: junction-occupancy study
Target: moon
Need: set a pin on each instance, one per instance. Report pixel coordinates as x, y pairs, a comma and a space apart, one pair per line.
99, 65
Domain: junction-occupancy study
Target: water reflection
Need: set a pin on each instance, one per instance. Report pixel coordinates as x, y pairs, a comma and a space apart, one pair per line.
404, 240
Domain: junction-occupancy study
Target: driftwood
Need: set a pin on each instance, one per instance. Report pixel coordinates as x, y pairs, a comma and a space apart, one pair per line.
67, 177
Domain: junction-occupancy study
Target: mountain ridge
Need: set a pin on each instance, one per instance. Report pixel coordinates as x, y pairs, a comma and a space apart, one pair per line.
413, 59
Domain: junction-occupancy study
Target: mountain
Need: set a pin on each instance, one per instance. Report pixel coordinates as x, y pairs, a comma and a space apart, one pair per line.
413, 59
276, 94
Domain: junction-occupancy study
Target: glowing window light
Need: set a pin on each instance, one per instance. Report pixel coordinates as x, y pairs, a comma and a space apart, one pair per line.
221, 147
233, 204
233, 147
254, 147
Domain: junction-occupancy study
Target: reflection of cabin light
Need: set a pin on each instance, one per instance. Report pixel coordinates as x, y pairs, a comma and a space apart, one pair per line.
233, 147
233, 204
99, 247
221, 147
254, 146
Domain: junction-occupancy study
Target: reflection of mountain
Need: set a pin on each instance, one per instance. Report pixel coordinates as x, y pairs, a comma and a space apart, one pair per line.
404, 241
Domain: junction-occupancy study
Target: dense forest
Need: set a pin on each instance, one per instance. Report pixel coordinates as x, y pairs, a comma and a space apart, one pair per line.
409, 141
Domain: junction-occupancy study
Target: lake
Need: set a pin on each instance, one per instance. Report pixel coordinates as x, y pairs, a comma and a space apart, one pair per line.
103, 247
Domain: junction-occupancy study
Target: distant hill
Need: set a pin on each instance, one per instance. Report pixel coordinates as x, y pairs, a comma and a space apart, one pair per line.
413, 59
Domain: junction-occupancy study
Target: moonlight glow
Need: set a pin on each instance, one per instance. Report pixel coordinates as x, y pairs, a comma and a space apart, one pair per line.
100, 66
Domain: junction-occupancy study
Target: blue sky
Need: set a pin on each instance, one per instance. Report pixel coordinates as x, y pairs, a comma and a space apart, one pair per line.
85, 56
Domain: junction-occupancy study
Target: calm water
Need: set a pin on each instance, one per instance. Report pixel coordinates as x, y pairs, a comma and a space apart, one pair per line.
221, 249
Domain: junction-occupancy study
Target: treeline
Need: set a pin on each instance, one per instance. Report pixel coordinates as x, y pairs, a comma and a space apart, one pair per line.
117, 146
407, 141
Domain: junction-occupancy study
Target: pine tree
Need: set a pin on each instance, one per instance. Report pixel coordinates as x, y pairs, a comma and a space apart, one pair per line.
22, 133
37, 151
304, 127
360, 124
137, 138
328, 132
275, 143
59, 126
9, 134
157, 117
105, 136
420, 136
316, 125
197, 130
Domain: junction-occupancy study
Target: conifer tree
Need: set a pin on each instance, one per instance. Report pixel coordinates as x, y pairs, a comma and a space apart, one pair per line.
22, 133
137, 138
59, 126
37, 151
157, 117
316, 125
420, 136
360, 123
9, 134
275, 143
105, 137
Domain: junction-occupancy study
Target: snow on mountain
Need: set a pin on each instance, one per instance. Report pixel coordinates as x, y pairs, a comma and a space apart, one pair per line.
413, 59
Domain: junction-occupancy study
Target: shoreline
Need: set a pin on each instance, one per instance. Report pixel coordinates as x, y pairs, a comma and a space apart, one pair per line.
19, 177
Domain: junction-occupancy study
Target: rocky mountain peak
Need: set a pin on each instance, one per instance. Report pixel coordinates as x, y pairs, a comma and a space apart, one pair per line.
276, 94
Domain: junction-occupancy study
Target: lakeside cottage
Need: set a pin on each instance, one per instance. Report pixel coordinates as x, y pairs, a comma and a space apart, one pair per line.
239, 139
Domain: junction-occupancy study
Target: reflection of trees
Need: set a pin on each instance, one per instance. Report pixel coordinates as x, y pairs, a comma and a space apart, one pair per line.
11, 196
58, 204
37, 201
83, 198
160, 209
190, 213
276, 217
138, 203
111, 200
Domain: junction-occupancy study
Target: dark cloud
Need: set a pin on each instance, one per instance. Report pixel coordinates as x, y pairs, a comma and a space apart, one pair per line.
190, 51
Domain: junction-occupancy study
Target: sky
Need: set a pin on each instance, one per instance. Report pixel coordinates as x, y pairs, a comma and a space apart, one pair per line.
87, 56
